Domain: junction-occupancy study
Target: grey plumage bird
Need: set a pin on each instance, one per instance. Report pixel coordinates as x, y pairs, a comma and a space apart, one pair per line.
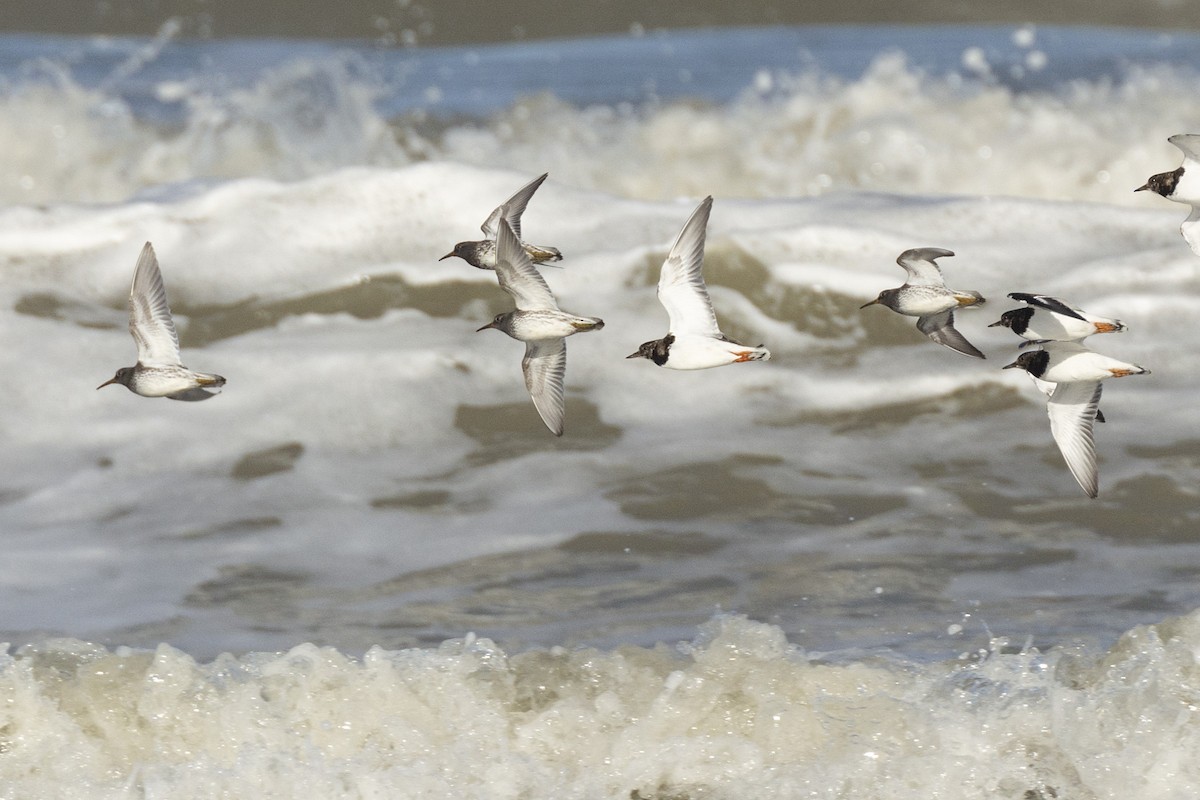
158, 371
925, 296
539, 323
482, 254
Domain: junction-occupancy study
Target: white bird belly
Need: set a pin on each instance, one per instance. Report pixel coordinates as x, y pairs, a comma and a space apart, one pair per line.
159, 384
926, 303
702, 352
1085, 368
532, 326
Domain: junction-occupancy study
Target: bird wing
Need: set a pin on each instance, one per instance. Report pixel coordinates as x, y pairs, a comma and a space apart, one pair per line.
681, 287
921, 265
1045, 387
192, 395
1072, 409
940, 328
512, 209
1190, 231
518, 276
545, 367
1188, 143
1050, 304
1060, 351
150, 320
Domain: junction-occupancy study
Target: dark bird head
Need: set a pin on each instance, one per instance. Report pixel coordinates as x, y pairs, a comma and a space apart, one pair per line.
886, 298
1033, 361
124, 376
500, 323
1017, 320
657, 351
467, 251
1163, 183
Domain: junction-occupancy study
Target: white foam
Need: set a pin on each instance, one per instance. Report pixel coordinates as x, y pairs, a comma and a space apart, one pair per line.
739, 712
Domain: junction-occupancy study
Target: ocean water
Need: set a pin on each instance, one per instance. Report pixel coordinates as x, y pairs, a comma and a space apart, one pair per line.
859, 570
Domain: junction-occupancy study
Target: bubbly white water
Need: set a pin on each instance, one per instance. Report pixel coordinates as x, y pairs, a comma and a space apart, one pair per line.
739, 711
375, 482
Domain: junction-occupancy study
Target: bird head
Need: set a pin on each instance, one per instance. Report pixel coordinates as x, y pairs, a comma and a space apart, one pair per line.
123, 376
1163, 183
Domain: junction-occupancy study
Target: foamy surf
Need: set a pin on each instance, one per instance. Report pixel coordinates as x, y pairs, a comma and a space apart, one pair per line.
739, 711
997, 111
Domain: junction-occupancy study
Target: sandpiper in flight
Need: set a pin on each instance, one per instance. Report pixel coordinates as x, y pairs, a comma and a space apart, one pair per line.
925, 296
158, 372
693, 340
1182, 185
482, 254
1076, 374
539, 323
1046, 318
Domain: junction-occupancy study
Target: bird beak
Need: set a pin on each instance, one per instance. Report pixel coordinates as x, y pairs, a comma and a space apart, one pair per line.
1010, 366
1142, 188
864, 305
996, 324
113, 379
634, 355
485, 327
448, 255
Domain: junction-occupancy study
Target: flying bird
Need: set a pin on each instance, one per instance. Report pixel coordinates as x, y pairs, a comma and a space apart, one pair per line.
1074, 399
539, 323
158, 371
1046, 318
925, 296
693, 340
1182, 185
482, 254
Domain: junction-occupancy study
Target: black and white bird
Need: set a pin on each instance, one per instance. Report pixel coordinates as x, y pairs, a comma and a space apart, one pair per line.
693, 340
158, 371
1072, 374
482, 254
925, 296
539, 323
1046, 318
1182, 185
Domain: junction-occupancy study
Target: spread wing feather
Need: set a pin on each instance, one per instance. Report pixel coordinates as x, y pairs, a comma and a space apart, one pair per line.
1188, 143
681, 287
512, 209
518, 276
1072, 409
940, 328
1049, 303
150, 320
545, 366
921, 265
